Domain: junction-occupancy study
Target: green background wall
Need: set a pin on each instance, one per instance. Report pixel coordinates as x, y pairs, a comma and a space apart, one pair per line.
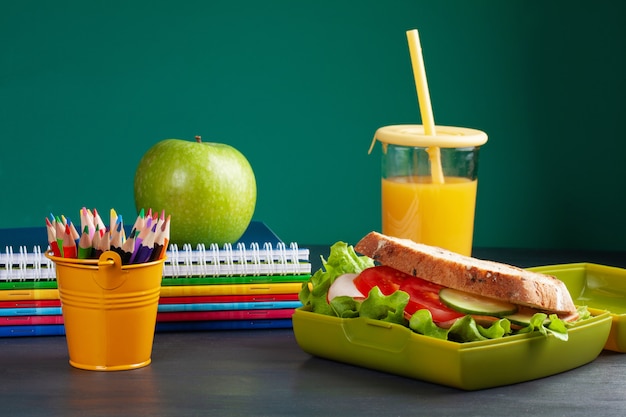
86, 87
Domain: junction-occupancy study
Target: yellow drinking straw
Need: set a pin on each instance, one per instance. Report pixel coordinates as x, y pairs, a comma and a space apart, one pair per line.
423, 97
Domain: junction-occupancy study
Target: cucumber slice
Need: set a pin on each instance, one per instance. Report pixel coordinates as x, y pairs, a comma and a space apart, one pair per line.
522, 318
476, 304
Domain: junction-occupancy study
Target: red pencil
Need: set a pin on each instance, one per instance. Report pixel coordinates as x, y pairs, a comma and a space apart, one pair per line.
105, 242
97, 220
73, 232
52, 238
69, 244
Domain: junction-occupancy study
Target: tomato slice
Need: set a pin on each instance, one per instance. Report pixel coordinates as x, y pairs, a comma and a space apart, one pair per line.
387, 279
422, 294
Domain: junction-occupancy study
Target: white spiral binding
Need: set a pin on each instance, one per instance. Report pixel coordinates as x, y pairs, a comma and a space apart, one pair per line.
242, 260
181, 262
268, 260
256, 258
23, 265
215, 258
201, 251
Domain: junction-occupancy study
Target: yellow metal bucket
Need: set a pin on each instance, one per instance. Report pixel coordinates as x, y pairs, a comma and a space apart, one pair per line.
109, 310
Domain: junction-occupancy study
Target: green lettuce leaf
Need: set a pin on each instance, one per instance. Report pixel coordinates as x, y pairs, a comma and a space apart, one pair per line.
498, 329
341, 260
464, 329
536, 324
583, 313
557, 327
345, 307
422, 322
385, 307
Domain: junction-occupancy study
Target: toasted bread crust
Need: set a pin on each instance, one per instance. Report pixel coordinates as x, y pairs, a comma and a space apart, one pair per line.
477, 276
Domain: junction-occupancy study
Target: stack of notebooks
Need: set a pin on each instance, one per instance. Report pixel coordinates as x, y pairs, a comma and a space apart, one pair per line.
252, 284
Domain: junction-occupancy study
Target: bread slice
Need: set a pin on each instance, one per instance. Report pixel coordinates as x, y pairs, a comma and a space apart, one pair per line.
464, 273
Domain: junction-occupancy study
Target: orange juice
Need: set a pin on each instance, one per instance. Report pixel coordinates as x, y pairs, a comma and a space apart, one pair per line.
435, 214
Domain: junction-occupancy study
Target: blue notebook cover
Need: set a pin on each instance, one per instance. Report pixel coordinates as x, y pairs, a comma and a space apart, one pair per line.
31, 311
37, 330
59, 329
257, 232
183, 326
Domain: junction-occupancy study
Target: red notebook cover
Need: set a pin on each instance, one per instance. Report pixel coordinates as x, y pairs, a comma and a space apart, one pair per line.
30, 303
228, 298
30, 320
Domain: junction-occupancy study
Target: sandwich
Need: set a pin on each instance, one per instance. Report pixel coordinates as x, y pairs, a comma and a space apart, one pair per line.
437, 292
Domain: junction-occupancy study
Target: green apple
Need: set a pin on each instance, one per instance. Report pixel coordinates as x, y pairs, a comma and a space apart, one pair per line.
208, 188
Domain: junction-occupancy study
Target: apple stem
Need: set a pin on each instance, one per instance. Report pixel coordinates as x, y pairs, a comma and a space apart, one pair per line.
198, 138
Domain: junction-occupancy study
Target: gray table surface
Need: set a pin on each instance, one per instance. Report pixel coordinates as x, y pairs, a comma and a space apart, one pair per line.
264, 372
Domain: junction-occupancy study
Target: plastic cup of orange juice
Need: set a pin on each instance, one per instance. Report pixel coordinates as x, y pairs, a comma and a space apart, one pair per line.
418, 205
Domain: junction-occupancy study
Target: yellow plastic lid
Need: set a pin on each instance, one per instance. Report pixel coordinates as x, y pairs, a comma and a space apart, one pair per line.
413, 135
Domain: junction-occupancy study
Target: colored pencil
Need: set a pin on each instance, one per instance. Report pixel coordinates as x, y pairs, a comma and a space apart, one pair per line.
140, 220
141, 236
144, 251
116, 234
128, 247
60, 232
69, 244
161, 240
52, 238
86, 220
112, 219
85, 249
98, 220
101, 242
73, 231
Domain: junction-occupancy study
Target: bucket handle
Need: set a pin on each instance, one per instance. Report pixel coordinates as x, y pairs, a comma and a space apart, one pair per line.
110, 274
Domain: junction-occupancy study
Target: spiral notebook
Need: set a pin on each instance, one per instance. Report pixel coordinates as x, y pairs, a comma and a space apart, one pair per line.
259, 256
259, 272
